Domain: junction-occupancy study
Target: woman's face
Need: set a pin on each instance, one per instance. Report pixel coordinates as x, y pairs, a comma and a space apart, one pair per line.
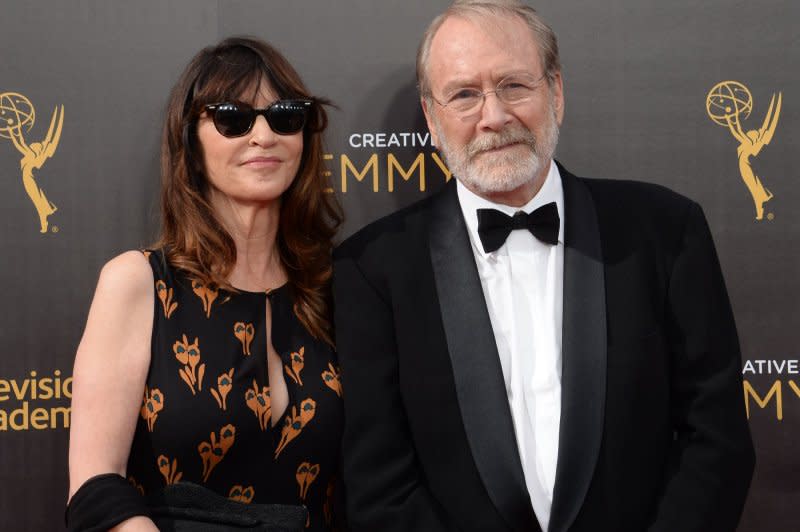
255, 168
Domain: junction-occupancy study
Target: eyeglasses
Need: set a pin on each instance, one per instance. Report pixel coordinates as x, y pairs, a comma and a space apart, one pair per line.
285, 117
512, 90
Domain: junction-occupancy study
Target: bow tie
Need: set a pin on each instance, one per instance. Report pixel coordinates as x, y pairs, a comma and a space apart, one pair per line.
494, 226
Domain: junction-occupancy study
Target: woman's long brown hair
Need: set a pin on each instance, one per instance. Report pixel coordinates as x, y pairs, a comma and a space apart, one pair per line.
192, 237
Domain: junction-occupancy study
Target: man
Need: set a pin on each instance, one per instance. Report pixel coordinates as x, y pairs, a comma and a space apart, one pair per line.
586, 378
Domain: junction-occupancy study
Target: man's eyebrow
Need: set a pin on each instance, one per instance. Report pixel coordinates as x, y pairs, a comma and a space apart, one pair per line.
471, 82
457, 84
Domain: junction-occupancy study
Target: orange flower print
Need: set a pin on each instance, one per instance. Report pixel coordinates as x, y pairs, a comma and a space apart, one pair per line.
244, 332
297, 360
306, 475
332, 378
206, 294
169, 469
242, 494
189, 355
165, 295
214, 451
152, 404
260, 403
224, 385
295, 422
147, 254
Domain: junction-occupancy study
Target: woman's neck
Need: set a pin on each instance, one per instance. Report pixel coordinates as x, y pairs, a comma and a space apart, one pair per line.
254, 229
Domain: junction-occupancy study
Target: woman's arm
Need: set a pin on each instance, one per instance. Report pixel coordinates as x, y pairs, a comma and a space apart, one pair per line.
109, 375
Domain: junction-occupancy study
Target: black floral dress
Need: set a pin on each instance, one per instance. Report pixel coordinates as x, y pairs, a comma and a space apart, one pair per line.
206, 416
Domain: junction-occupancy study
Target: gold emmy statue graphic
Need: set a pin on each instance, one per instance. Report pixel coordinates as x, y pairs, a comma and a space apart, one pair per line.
17, 116
727, 103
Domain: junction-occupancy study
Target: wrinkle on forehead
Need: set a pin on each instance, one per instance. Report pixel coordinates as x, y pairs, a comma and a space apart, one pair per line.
507, 46
493, 25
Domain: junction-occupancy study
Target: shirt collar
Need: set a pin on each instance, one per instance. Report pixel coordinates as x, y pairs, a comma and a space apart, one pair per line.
551, 191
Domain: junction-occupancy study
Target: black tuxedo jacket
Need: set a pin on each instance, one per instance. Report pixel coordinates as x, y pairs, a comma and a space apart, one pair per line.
653, 434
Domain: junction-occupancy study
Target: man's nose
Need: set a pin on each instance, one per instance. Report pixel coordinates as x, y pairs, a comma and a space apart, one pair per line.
494, 113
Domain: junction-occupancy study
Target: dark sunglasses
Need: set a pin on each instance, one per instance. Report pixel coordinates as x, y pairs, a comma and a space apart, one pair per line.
285, 117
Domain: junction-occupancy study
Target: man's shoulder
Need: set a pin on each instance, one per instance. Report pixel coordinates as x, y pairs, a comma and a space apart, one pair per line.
637, 201
636, 213
390, 231
648, 195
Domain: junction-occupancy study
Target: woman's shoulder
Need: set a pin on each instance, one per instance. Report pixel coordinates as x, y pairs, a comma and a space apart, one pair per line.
128, 275
121, 312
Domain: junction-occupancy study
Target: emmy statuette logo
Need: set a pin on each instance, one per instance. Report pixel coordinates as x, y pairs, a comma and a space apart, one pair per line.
17, 116
727, 103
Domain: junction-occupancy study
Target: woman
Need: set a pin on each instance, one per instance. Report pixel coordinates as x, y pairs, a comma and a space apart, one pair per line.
209, 358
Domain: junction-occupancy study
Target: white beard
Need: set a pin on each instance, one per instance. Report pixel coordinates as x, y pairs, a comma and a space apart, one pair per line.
506, 171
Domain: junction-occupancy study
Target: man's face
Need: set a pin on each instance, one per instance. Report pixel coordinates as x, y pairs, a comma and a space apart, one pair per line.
500, 147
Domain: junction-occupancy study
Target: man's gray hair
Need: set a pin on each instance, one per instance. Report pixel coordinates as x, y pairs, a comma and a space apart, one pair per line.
477, 9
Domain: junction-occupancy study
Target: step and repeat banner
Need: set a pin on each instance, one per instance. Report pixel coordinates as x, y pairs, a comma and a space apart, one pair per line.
702, 97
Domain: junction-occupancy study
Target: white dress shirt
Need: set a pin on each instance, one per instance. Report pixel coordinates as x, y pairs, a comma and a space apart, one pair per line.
523, 286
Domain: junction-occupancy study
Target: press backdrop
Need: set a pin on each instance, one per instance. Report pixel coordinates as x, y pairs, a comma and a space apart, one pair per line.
89, 79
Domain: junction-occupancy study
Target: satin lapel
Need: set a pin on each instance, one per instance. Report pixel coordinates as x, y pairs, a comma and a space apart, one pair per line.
583, 352
476, 366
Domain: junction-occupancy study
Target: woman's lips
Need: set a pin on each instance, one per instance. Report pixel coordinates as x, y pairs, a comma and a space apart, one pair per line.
262, 161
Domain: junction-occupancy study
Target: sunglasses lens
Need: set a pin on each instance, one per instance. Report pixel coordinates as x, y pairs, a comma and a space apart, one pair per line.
287, 117
232, 120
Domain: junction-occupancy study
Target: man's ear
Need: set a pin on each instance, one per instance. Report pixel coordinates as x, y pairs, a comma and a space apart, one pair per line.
557, 87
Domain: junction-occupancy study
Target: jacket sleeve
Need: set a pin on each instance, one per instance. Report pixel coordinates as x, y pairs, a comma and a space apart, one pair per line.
711, 461
383, 480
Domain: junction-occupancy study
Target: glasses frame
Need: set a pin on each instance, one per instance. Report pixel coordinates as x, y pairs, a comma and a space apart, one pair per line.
497, 91
267, 112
